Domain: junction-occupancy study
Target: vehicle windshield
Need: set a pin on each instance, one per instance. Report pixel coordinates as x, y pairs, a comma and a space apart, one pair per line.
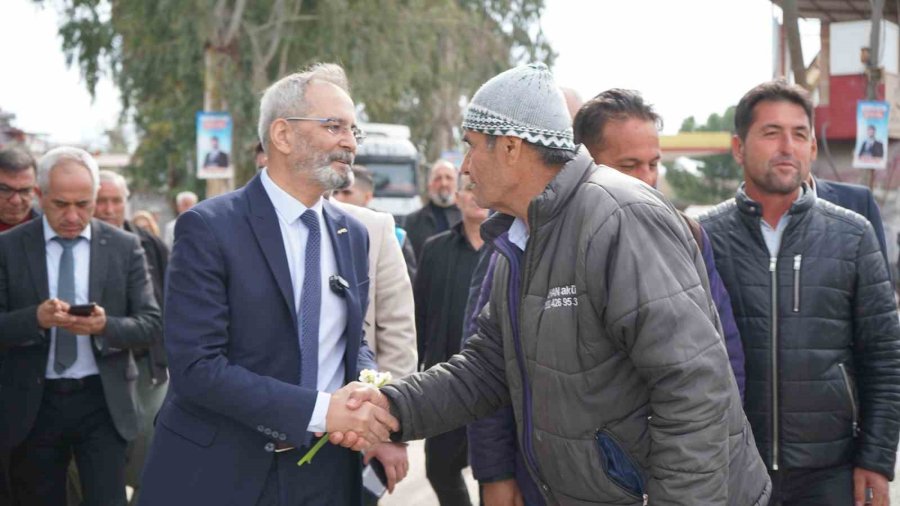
393, 179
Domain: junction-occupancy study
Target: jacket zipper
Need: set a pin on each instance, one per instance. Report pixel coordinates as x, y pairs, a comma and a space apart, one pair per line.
853, 407
797, 260
773, 264
644, 496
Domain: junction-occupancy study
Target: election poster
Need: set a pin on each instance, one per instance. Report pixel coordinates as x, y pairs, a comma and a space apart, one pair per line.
870, 151
214, 145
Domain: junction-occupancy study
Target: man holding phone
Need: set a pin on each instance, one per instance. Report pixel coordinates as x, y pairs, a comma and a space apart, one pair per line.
75, 298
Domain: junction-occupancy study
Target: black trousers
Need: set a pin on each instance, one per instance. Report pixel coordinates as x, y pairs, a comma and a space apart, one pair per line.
446, 456
831, 486
71, 421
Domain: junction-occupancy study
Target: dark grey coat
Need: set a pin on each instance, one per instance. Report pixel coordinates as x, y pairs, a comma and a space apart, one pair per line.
619, 342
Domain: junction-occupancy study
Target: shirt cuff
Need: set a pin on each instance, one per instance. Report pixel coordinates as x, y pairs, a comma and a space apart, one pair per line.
317, 420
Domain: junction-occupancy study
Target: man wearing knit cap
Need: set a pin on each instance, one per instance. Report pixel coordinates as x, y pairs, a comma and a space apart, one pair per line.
599, 331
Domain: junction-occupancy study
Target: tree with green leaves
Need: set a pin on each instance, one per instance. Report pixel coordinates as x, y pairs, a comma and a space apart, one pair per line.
716, 177
409, 61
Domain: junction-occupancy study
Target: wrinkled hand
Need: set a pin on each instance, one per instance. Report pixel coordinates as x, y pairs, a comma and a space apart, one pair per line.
502, 493
91, 325
863, 479
353, 421
394, 459
53, 313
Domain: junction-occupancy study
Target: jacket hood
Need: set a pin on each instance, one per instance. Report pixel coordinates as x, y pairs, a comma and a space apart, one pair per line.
748, 206
549, 202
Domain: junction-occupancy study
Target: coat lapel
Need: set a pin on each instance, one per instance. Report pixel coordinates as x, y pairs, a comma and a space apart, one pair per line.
99, 261
336, 223
35, 254
264, 223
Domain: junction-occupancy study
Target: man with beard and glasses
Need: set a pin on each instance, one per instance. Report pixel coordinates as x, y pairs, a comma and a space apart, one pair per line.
440, 213
814, 305
265, 298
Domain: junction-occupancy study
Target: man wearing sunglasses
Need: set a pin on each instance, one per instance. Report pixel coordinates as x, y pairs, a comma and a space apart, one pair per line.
17, 181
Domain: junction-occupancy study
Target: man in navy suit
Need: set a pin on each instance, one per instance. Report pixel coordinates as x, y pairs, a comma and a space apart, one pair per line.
856, 198
265, 296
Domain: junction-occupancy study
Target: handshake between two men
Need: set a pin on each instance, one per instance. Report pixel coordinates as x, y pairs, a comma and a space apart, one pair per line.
359, 417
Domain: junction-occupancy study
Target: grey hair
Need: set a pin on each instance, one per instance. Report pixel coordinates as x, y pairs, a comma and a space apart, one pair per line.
53, 157
185, 195
286, 97
439, 163
115, 178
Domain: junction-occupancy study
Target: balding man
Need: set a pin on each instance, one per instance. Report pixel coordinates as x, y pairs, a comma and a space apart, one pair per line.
112, 200
441, 212
75, 299
183, 201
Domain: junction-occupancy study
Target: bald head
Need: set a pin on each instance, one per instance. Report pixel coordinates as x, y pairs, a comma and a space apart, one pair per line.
573, 100
442, 183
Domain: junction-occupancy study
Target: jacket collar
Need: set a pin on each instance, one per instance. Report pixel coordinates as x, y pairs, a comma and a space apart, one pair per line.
751, 207
550, 202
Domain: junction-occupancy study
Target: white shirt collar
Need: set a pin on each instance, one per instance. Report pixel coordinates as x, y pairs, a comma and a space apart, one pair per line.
287, 207
49, 233
518, 234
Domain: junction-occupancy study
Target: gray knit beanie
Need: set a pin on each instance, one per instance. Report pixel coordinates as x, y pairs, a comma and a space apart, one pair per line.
522, 102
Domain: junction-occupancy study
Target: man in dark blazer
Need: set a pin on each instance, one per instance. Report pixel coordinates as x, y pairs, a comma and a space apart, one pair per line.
265, 296
67, 382
856, 198
214, 157
871, 146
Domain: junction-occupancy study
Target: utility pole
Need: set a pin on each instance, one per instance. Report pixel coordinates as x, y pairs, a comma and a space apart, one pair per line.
873, 66
215, 61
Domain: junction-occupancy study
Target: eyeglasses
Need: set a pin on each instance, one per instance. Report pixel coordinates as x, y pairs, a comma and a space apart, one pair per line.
335, 127
7, 192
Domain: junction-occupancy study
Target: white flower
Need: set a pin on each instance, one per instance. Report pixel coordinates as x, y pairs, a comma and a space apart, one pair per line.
375, 378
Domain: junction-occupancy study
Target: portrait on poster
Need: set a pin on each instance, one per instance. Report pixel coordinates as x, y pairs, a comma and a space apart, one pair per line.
870, 151
214, 145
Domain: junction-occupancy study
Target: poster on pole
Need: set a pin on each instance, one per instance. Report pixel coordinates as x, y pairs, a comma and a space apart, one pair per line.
870, 151
214, 145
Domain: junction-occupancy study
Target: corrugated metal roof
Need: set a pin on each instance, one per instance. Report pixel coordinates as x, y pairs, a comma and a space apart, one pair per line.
842, 10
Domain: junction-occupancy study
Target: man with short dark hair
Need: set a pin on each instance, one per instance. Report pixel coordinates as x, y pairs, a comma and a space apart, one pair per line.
17, 182
599, 330
215, 157
871, 146
815, 307
440, 213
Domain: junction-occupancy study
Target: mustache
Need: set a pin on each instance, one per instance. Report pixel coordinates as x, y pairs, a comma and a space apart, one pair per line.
785, 159
341, 156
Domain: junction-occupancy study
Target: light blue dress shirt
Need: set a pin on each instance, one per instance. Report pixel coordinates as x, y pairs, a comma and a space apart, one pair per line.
772, 236
518, 234
333, 320
85, 364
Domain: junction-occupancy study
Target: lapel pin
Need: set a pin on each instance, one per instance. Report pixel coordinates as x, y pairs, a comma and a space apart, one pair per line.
341, 231
338, 285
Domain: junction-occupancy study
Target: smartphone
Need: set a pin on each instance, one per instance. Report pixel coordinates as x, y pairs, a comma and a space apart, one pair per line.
82, 310
372, 482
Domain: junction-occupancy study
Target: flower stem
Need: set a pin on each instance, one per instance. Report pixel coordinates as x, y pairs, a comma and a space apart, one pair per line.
307, 459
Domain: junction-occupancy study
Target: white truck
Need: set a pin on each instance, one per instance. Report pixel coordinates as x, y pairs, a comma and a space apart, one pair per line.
393, 161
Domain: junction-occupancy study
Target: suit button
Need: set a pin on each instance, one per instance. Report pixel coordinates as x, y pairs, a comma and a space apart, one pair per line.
274, 434
282, 437
270, 447
268, 431
260, 428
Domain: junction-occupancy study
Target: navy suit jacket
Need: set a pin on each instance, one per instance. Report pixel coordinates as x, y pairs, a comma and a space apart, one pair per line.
858, 199
234, 358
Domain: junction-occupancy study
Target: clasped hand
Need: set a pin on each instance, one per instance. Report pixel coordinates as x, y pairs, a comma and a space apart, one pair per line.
54, 313
359, 417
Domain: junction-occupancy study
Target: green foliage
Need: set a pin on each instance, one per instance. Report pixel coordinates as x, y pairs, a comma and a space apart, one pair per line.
719, 175
409, 62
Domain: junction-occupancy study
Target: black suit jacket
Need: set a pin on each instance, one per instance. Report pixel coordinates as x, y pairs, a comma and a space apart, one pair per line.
219, 159
876, 150
118, 282
420, 225
157, 261
858, 199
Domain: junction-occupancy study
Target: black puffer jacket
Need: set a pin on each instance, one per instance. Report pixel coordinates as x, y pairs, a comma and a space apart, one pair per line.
820, 333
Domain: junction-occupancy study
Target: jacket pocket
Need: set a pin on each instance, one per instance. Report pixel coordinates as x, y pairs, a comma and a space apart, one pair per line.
618, 465
851, 394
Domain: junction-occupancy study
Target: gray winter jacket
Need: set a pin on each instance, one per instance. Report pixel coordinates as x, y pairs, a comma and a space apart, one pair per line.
609, 352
